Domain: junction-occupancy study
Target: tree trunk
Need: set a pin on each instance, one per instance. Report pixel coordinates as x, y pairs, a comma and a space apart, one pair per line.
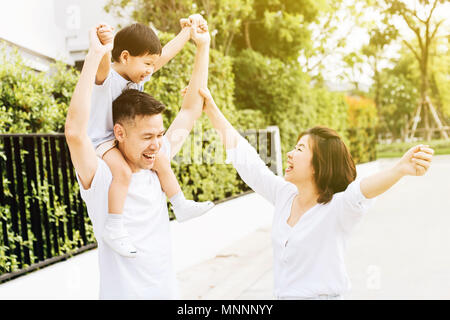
247, 35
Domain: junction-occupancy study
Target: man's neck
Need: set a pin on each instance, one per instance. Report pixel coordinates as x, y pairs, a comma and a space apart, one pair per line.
134, 168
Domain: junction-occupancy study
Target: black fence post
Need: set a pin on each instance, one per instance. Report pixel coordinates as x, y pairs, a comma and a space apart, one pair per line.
32, 185
12, 200
21, 195
40, 157
4, 218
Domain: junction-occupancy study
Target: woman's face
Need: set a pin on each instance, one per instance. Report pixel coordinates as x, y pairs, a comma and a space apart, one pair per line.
299, 162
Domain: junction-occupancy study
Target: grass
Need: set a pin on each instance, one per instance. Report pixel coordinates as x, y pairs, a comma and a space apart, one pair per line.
397, 149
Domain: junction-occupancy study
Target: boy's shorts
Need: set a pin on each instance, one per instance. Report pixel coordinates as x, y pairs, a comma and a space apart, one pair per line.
105, 147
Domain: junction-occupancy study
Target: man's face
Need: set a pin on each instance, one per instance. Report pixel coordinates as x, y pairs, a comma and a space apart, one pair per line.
140, 67
140, 140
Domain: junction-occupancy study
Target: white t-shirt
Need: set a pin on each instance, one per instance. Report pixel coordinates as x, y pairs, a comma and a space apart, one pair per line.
309, 257
100, 125
151, 274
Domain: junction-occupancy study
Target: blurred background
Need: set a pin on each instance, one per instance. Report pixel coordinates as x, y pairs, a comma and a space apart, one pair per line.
376, 71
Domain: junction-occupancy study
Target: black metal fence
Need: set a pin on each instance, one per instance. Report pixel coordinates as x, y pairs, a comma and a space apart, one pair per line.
43, 218
42, 214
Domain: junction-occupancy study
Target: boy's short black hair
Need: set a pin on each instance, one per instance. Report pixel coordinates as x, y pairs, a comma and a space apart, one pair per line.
138, 39
132, 103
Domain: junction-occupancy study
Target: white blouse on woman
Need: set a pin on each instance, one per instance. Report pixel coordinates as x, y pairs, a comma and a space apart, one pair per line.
308, 257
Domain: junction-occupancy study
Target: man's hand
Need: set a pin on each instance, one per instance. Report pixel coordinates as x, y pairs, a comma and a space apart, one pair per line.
416, 161
94, 42
208, 101
105, 33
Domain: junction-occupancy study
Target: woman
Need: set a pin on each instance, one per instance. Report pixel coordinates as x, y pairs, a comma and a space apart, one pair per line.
317, 203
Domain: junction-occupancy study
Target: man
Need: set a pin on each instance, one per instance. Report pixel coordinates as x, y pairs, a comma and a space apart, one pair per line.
139, 129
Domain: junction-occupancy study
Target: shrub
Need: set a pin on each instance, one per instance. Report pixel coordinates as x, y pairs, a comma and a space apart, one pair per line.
31, 101
362, 119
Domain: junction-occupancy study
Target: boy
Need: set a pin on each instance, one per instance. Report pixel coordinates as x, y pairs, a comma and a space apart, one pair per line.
137, 53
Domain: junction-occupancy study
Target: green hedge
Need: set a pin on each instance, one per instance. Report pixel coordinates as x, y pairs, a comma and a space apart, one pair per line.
283, 94
32, 101
397, 149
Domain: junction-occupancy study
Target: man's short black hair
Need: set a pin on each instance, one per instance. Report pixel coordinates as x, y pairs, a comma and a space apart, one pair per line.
132, 103
138, 39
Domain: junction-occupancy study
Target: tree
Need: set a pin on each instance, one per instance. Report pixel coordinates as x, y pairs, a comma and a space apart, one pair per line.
419, 17
380, 37
398, 94
164, 15
276, 28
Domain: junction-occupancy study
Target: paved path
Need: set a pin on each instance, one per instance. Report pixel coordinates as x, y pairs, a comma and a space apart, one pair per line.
401, 249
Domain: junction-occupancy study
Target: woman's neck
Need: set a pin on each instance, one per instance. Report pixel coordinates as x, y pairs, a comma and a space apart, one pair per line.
308, 194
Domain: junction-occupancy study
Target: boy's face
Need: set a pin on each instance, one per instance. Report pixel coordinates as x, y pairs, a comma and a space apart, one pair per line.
140, 67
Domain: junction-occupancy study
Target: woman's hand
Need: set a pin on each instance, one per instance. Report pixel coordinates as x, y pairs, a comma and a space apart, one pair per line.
416, 161
208, 101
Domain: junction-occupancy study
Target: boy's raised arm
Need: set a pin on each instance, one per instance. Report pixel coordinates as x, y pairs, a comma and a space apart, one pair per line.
81, 150
171, 49
175, 45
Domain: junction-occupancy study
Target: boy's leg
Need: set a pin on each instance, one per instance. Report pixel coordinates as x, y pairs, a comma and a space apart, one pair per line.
183, 209
115, 234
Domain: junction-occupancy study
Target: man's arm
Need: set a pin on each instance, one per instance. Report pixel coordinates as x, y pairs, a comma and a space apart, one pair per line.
81, 150
191, 108
415, 162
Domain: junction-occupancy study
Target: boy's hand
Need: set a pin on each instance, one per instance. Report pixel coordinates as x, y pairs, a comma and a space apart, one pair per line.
199, 21
94, 42
200, 35
184, 23
416, 161
195, 19
105, 33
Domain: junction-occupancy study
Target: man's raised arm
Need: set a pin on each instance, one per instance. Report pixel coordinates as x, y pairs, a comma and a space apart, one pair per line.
82, 152
191, 108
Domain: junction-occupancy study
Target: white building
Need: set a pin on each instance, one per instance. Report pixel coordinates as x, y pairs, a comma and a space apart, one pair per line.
49, 30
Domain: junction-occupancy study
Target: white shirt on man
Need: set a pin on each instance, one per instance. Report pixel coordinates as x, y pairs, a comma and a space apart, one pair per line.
151, 274
100, 125
308, 258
